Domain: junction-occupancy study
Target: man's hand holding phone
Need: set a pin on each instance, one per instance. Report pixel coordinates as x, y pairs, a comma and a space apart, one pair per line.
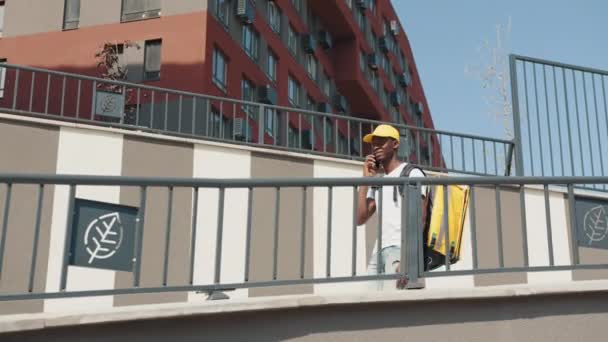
370, 168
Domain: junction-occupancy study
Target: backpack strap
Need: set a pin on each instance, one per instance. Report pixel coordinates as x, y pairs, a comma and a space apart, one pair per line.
405, 172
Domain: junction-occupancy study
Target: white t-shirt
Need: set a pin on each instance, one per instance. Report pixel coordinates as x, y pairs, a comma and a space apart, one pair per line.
391, 209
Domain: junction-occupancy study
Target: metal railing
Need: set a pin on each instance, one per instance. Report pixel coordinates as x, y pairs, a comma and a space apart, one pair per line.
78, 98
297, 226
560, 118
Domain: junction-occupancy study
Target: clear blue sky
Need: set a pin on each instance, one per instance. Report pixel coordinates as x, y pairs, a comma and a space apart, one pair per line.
445, 36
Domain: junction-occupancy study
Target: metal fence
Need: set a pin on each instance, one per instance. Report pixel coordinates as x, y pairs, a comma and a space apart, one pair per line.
561, 118
78, 98
25, 238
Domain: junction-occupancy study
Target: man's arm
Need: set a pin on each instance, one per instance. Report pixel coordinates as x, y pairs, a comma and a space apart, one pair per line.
366, 207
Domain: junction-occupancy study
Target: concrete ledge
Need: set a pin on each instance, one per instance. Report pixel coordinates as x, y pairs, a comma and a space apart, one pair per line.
26, 322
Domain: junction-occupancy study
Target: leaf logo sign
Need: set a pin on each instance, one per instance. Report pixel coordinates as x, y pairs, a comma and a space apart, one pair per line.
103, 236
596, 224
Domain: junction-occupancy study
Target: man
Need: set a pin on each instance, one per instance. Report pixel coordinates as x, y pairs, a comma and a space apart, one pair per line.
383, 162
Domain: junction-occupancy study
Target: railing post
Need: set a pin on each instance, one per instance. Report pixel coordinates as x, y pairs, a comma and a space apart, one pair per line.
413, 218
261, 124
519, 158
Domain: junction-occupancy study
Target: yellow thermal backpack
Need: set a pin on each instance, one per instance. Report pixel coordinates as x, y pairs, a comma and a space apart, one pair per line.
434, 229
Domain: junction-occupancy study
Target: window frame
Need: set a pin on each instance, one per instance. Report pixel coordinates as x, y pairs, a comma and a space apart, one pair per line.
144, 14
274, 115
292, 39
326, 86
2, 77
312, 67
223, 18
292, 83
250, 42
146, 72
271, 72
274, 17
249, 86
328, 134
65, 26
222, 84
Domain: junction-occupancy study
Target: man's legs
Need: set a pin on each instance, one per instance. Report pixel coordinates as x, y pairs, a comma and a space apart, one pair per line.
389, 262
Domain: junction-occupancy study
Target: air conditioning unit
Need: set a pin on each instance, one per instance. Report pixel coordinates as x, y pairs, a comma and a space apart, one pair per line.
267, 94
340, 103
419, 108
362, 4
405, 79
324, 107
383, 44
309, 43
325, 40
239, 128
372, 61
245, 11
394, 27
395, 99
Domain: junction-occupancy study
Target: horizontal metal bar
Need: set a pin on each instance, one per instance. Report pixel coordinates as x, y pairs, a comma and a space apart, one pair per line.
198, 288
515, 269
219, 287
285, 182
560, 65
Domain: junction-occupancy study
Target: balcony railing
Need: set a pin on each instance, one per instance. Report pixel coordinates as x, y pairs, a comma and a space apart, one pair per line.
234, 250
77, 98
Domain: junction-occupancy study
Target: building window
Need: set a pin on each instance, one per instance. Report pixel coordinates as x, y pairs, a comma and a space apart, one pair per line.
272, 66
360, 16
140, 9
362, 61
326, 85
274, 17
342, 144
292, 40
349, 3
71, 14
311, 66
152, 60
248, 94
374, 81
383, 97
297, 4
372, 6
1, 16
329, 131
220, 69
220, 125
222, 11
293, 92
2, 77
292, 137
271, 121
386, 65
310, 104
251, 42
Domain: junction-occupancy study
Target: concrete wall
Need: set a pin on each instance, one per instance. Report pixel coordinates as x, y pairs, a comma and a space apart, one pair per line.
65, 148
554, 318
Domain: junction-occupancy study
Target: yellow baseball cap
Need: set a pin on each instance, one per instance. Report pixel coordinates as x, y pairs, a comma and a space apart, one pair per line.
383, 131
